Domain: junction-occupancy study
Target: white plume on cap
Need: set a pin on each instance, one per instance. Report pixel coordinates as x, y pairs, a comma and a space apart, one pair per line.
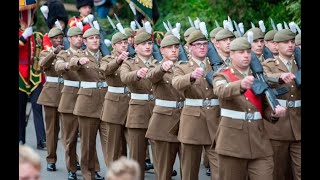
252, 25
285, 25
133, 9
279, 26
241, 27
120, 28
203, 29
250, 36
148, 27
133, 25
58, 25
79, 25
107, 42
45, 11
292, 26
261, 26
178, 26
298, 29
230, 25
175, 32
166, 27
225, 24
96, 25
196, 23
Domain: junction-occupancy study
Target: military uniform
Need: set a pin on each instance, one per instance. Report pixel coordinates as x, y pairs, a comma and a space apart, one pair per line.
89, 104
257, 34
285, 135
50, 98
242, 143
115, 109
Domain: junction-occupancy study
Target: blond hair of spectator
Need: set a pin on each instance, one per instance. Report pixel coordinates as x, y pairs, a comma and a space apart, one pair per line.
29, 163
124, 169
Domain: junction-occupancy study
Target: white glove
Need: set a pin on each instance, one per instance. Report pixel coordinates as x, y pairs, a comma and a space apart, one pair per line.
27, 32
88, 19
107, 42
45, 11
79, 25
96, 25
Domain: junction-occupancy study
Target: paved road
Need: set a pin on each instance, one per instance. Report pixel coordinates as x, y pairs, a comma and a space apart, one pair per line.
62, 173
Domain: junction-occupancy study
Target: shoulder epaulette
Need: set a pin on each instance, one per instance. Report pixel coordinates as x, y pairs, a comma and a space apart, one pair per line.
183, 62
269, 60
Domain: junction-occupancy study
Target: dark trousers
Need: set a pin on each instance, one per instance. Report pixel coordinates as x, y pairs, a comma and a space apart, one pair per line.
37, 115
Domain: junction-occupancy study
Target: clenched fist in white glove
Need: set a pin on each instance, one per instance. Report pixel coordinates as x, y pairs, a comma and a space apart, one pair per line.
79, 25
88, 19
27, 32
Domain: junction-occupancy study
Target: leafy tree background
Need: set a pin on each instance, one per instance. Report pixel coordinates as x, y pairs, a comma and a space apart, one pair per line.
245, 11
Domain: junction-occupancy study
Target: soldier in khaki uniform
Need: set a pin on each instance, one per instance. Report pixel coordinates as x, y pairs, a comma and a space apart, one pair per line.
167, 110
50, 94
133, 73
297, 40
200, 115
223, 39
116, 101
270, 44
213, 34
258, 42
186, 34
89, 102
69, 121
243, 147
285, 135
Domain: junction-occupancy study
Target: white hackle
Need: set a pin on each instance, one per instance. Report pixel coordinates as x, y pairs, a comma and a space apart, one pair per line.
225, 24
241, 27
96, 25
166, 27
178, 26
298, 29
148, 27
285, 25
120, 28
230, 25
176, 32
203, 29
292, 26
250, 36
107, 42
252, 25
79, 25
279, 26
133, 25
133, 9
196, 23
45, 11
261, 26
58, 25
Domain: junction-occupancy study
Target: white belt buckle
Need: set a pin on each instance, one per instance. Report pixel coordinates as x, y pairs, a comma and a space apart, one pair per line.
60, 80
206, 102
290, 104
180, 104
150, 97
249, 116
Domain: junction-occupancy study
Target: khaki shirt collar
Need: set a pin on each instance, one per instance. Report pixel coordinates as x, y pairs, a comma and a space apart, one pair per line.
198, 61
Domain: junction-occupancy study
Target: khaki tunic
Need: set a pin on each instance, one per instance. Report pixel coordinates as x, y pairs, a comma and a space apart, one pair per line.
288, 127
139, 111
69, 93
51, 92
116, 105
237, 137
198, 125
90, 100
163, 119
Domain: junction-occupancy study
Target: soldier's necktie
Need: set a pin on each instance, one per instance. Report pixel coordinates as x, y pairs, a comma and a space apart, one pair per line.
203, 66
289, 65
228, 61
147, 63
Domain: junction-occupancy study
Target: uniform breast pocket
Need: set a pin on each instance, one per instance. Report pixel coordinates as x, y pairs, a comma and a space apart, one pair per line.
232, 123
68, 90
191, 111
162, 110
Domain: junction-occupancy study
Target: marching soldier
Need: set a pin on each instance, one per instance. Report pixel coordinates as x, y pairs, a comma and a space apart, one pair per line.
133, 73
89, 102
200, 115
243, 147
223, 39
258, 42
51, 94
213, 35
186, 34
285, 135
116, 101
167, 110
270, 44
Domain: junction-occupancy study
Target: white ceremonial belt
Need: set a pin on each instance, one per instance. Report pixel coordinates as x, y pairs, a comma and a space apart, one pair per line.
240, 115
86, 84
71, 83
286, 103
54, 79
202, 102
145, 97
172, 104
119, 90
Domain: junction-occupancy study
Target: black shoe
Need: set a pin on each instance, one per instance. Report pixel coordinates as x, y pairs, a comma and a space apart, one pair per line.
148, 165
208, 172
72, 176
98, 177
174, 173
78, 166
51, 167
42, 144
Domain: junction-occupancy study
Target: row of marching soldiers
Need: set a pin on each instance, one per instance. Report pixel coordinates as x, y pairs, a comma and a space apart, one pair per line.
132, 99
